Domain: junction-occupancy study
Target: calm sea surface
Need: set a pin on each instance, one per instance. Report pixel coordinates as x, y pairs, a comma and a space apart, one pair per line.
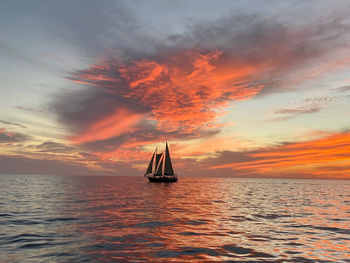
126, 219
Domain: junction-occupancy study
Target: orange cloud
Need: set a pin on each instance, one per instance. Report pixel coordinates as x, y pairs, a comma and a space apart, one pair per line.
326, 157
119, 122
185, 90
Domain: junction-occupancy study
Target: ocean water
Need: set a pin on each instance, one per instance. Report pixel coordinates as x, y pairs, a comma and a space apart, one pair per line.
126, 219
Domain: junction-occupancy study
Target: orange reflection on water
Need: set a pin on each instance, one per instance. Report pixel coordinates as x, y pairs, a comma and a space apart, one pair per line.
216, 219
126, 219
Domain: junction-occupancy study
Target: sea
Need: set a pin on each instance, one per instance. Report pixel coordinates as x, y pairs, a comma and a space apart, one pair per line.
127, 219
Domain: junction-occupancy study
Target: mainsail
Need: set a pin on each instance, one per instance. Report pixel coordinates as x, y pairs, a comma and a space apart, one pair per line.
149, 169
168, 168
158, 157
159, 170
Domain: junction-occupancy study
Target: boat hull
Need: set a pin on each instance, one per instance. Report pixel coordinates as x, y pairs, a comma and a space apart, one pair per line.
162, 179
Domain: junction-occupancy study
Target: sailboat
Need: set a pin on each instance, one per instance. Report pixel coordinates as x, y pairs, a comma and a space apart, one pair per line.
161, 170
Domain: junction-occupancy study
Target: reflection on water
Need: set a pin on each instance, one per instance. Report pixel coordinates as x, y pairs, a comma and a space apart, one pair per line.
126, 219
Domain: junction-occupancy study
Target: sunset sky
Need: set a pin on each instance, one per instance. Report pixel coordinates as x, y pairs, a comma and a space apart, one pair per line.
237, 88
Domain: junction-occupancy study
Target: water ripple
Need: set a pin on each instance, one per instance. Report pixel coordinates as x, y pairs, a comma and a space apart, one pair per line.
125, 219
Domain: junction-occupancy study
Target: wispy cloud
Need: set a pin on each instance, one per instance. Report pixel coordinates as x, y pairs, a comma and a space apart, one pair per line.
343, 89
312, 105
307, 106
29, 109
12, 124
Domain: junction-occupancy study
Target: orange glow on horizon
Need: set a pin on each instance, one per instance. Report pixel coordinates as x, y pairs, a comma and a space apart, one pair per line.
327, 156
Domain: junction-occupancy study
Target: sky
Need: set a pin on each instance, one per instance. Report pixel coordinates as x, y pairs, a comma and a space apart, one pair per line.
237, 88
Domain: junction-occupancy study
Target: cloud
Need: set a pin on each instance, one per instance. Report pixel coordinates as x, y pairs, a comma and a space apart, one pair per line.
343, 89
292, 159
54, 147
119, 122
181, 85
28, 109
25, 165
307, 106
59, 158
298, 110
287, 53
130, 145
11, 137
12, 124
183, 92
179, 96
80, 109
312, 105
185, 89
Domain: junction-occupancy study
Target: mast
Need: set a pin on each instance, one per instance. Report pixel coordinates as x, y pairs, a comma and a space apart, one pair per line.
149, 169
168, 168
159, 170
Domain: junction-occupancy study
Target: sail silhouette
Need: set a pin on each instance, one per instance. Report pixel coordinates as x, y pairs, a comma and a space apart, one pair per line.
149, 169
158, 157
161, 173
168, 168
159, 169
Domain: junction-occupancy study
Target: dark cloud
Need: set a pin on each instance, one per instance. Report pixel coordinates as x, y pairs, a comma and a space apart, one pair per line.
78, 109
287, 49
11, 137
54, 147
23, 165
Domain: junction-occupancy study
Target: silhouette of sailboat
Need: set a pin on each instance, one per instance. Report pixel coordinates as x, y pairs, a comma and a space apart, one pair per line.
161, 169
